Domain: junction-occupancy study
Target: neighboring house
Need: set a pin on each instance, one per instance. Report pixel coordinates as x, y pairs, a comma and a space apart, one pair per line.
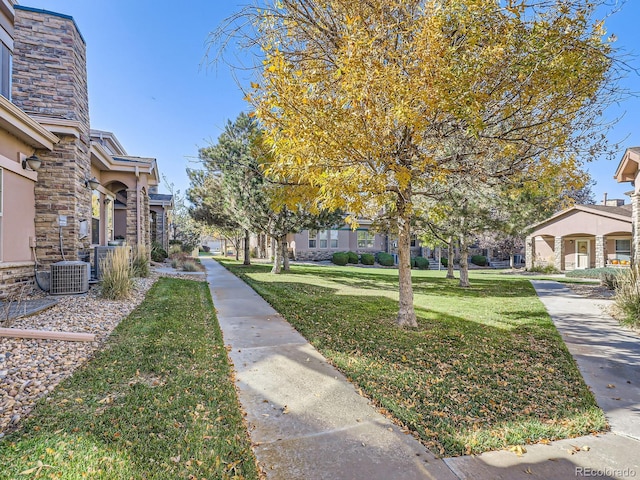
160, 205
317, 245
86, 191
584, 236
628, 171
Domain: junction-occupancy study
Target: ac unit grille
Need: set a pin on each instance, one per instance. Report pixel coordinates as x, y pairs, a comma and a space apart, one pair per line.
69, 278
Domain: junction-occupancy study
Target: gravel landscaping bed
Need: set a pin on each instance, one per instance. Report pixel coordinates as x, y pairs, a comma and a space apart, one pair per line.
30, 368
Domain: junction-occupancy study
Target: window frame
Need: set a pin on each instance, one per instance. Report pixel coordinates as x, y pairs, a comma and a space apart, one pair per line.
6, 62
620, 253
368, 240
313, 238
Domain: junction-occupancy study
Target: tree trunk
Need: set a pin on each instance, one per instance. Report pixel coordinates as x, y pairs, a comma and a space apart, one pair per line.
450, 259
247, 253
406, 313
224, 254
464, 263
285, 253
277, 256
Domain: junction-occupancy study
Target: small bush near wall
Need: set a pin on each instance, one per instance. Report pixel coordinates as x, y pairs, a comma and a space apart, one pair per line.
595, 273
385, 259
546, 269
340, 258
158, 254
444, 262
479, 260
422, 263
116, 275
140, 261
627, 297
352, 257
367, 259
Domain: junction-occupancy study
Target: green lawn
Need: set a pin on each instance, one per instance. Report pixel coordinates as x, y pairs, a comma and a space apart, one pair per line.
157, 403
484, 370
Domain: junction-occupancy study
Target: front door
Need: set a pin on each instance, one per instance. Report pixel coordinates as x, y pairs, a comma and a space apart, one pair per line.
582, 254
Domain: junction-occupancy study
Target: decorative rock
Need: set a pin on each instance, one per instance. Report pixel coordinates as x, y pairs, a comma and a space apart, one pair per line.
32, 368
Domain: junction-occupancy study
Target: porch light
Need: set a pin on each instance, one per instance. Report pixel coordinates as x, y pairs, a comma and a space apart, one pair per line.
32, 162
91, 183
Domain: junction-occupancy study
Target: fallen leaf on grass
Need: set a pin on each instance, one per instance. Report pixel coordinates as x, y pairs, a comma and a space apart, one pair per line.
519, 450
175, 459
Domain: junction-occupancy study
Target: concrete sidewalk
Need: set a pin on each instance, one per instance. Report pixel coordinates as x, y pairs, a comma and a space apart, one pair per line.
608, 356
307, 421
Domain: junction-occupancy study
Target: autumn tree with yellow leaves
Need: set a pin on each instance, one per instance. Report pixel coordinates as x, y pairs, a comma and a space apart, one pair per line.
373, 104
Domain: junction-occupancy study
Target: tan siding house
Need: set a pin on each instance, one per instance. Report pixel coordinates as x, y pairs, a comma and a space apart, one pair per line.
585, 236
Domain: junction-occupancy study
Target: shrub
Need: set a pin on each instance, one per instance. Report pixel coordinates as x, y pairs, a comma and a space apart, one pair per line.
609, 279
595, 273
479, 260
340, 258
422, 263
140, 261
158, 254
385, 259
412, 262
190, 266
116, 275
352, 257
367, 259
547, 269
627, 297
444, 262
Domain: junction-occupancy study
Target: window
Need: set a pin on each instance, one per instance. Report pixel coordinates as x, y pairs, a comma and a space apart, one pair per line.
95, 217
365, 239
313, 235
328, 238
5, 71
153, 224
1, 207
623, 249
414, 241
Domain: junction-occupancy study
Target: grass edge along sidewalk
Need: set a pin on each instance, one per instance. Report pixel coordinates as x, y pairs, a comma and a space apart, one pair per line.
157, 402
486, 368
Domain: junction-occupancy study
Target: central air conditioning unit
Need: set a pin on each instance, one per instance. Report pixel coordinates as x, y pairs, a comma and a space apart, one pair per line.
100, 253
69, 277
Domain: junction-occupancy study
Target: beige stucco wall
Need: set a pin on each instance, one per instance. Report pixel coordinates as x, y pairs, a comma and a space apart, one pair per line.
347, 241
17, 217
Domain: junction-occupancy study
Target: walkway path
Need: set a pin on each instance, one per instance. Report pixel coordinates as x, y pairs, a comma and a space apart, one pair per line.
308, 422
608, 357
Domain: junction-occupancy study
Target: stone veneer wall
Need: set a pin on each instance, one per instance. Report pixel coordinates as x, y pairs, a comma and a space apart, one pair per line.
635, 236
50, 80
146, 221
132, 217
16, 277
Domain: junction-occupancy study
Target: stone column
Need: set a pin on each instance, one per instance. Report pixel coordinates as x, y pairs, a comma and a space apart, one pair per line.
600, 253
132, 217
558, 249
635, 218
530, 252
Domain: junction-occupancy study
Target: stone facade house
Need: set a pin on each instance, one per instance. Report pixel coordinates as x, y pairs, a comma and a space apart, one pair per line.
584, 236
60, 187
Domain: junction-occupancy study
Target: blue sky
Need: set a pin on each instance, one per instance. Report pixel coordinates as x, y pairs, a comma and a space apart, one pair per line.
149, 82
